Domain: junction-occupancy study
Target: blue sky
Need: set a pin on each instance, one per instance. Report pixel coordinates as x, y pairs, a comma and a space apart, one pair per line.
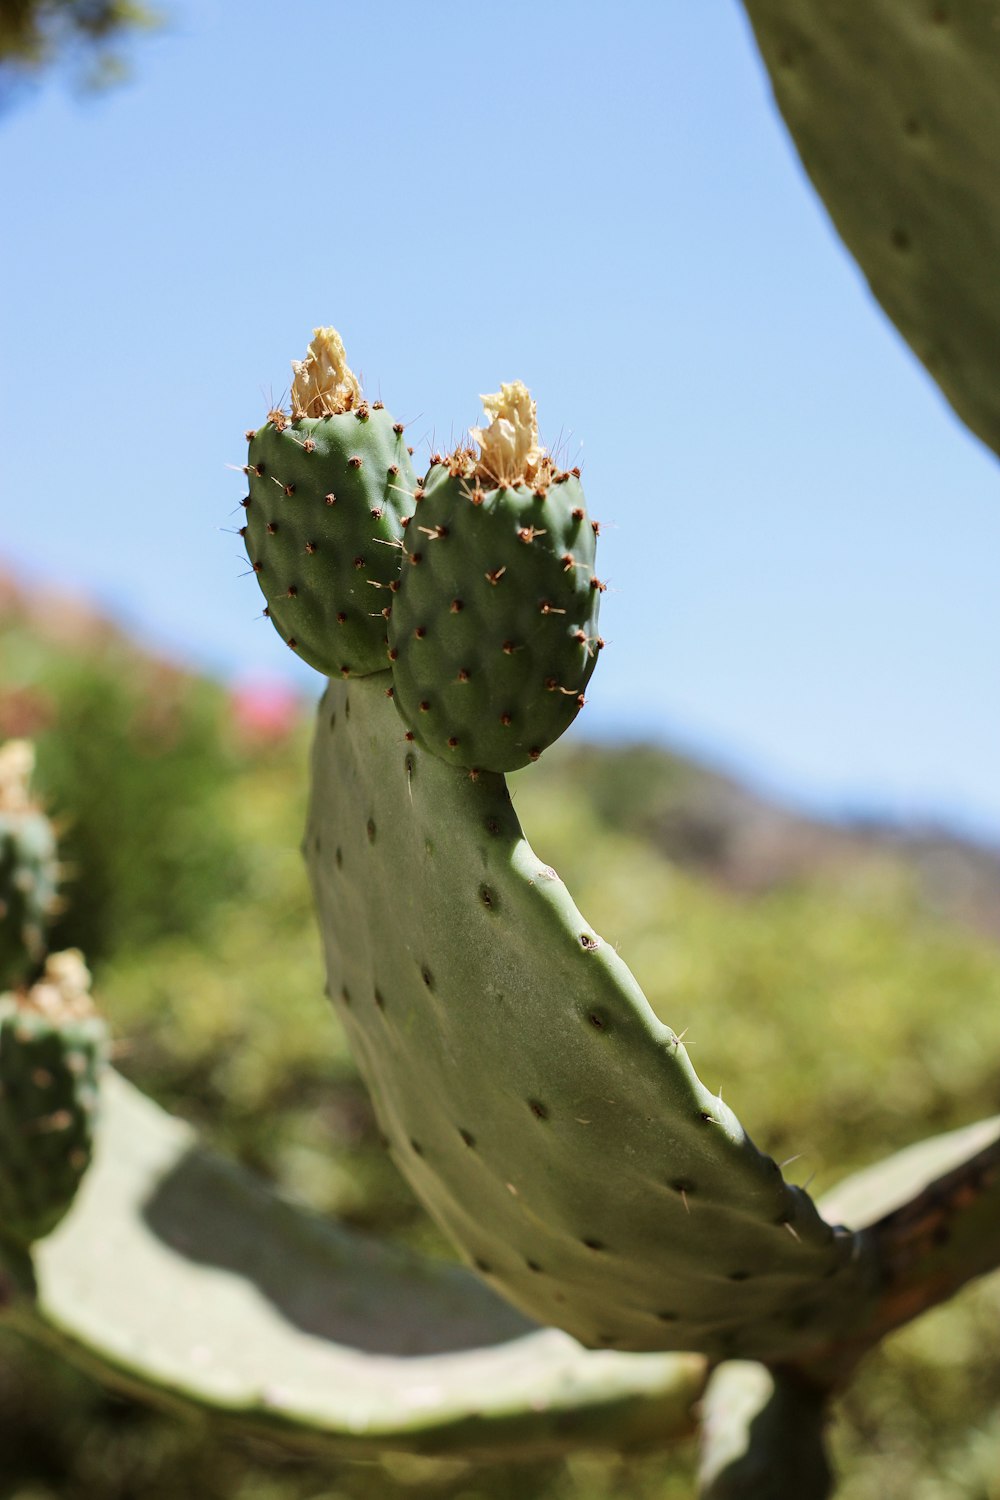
801, 540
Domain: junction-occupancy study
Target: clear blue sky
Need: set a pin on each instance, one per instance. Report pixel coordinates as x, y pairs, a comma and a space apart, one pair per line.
801, 540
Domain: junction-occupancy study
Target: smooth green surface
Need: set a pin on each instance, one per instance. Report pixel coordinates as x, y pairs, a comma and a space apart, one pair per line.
551, 1124
323, 533
183, 1279
494, 630
894, 106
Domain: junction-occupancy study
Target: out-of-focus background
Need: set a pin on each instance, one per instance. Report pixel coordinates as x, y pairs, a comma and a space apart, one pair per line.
781, 802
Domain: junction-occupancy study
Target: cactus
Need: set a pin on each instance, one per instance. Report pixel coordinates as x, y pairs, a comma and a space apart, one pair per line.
29, 869
550, 1123
52, 1049
330, 484
895, 110
182, 1279
493, 633
547, 1120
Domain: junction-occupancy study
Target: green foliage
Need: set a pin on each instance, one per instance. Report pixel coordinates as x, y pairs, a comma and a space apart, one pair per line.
36, 35
135, 763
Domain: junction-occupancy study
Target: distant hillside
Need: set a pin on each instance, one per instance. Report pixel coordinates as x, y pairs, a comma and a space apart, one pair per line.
718, 827
697, 818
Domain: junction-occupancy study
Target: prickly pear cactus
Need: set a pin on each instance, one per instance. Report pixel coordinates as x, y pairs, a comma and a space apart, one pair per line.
493, 633
52, 1049
29, 868
329, 486
551, 1124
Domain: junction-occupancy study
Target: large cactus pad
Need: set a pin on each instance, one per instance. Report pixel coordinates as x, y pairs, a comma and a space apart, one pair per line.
553, 1126
894, 106
179, 1278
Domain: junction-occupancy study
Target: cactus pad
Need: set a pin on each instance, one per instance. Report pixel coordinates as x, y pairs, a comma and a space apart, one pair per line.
493, 634
551, 1124
895, 110
329, 487
181, 1279
29, 870
52, 1047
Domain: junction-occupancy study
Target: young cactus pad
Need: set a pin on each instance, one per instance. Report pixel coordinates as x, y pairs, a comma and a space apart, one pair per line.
551, 1124
493, 634
52, 1050
29, 868
329, 486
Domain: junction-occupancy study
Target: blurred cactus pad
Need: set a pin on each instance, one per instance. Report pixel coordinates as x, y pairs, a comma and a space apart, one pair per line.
52, 1052
29, 868
894, 107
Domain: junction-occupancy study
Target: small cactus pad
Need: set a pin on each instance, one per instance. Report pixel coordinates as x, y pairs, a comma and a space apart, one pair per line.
493, 635
894, 107
29, 869
329, 486
52, 1047
184, 1280
551, 1124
